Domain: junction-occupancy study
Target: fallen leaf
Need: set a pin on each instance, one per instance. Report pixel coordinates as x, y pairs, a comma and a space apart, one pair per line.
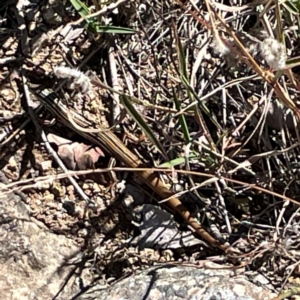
76, 156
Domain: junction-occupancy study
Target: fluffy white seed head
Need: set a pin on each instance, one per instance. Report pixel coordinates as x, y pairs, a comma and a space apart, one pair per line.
221, 48
273, 53
78, 79
66, 72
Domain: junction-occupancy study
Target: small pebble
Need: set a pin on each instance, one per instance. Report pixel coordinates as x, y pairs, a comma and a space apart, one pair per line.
49, 198
46, 165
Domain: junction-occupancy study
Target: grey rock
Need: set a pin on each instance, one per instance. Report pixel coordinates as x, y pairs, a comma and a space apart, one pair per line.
181, 282
260, 279
158, 230
36, 264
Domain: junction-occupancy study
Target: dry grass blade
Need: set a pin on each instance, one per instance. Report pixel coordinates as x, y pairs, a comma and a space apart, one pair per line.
293, 292
144, 126
246, 57
267, 76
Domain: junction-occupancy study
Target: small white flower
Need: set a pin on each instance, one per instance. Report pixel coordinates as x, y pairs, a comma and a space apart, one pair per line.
273, 53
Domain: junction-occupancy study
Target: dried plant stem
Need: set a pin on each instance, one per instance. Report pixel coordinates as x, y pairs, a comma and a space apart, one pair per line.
47, 144
246, 57
116, 110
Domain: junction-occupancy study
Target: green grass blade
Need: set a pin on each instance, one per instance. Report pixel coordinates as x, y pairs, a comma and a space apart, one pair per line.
182, 63
182, 119
293, 62
144, 126
93, 25
203, 106
90, 24
176, 162
82, 9
114, 29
